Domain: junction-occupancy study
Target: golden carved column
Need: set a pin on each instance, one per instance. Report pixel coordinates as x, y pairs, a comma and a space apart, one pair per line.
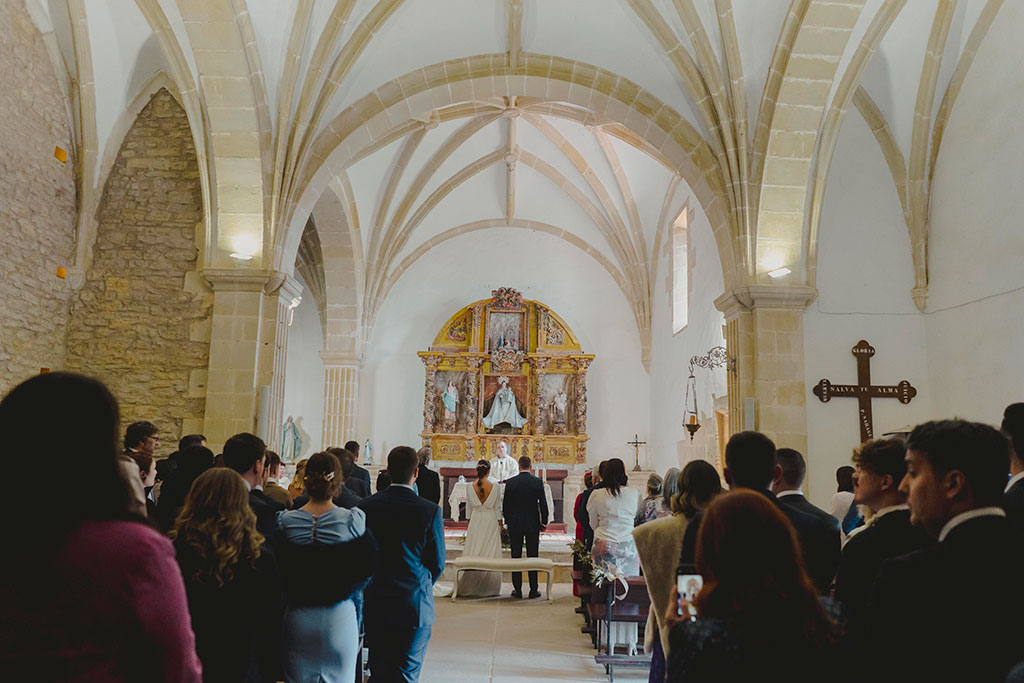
764, 332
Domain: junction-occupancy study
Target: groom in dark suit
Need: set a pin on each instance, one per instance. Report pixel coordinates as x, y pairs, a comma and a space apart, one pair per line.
526, 514
399, 608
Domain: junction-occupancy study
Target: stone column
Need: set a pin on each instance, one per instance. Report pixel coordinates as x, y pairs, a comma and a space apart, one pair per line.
283, 294
231, 390
341, 384
764, 333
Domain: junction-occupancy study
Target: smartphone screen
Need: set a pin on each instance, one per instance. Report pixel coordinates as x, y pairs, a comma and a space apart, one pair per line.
688, 583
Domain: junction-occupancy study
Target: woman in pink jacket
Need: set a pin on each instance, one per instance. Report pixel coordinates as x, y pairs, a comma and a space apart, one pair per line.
88, 591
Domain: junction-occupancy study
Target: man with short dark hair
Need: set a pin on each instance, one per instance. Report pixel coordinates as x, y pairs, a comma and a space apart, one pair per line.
525, 509
274, 490
139, 437
190, 440
951, 612
399, 601
247, 454
880, 467
1013, 495
346, 497
750, 462
428, 482
359, 482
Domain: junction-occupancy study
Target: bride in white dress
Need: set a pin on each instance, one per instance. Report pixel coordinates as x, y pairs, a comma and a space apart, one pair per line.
483, 537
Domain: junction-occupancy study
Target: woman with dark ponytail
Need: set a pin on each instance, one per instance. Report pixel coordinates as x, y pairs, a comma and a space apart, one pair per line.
483, 537
326, 556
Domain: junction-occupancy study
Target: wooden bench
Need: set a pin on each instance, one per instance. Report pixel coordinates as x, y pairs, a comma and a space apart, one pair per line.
503, 564
607, 609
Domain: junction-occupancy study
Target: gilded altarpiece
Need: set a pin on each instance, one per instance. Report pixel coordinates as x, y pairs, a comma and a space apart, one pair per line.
506, 369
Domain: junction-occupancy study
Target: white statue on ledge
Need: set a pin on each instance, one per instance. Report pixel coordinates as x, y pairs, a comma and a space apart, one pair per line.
503, 409
504, 466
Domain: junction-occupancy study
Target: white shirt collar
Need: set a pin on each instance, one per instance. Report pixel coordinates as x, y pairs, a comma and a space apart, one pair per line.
1013, 480
791, 492
969, 515
405, 486
887, 510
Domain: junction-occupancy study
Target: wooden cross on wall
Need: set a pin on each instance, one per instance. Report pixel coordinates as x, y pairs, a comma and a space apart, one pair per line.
863, 391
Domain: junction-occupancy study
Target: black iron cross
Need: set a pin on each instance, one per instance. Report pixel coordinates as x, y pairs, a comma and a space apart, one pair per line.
863, 391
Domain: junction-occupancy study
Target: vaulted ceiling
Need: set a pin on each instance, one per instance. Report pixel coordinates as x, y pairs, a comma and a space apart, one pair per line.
390, 126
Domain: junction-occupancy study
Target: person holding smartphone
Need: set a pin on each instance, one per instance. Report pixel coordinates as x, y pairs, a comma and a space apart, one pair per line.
755, 614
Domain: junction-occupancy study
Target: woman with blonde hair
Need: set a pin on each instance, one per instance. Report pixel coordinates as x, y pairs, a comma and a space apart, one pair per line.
297, 485
327, 556
658, 544
233, 587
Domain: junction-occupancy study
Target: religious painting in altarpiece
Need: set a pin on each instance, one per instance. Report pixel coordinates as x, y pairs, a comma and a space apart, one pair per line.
506, 369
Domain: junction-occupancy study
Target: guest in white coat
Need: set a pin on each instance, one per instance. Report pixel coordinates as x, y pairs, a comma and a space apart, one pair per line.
611, 509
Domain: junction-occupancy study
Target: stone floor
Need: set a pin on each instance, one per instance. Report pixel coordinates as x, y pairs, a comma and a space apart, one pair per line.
500, 639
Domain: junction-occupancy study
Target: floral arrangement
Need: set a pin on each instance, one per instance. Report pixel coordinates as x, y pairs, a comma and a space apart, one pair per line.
580, 553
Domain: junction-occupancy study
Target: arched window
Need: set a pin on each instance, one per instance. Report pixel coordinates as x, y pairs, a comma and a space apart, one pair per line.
680, 264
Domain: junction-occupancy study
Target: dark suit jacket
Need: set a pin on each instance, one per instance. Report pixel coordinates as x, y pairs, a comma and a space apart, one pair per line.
410, 539
1013, 503
892, 535
525, 506
951, 612
237, 625
819, 540
583, 517
266, 509
429, 484
358, 482
344, 498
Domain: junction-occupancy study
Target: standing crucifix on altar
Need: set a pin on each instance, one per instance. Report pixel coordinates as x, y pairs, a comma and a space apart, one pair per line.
863, 390
636, 443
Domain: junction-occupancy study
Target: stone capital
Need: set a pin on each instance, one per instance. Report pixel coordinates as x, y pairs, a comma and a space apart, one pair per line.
339, 359
237, 280
286, 286
742, 299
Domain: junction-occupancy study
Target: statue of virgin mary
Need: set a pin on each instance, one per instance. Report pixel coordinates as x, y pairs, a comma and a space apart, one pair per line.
503, 409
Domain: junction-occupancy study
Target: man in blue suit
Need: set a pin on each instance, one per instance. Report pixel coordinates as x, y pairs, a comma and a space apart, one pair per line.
399, 607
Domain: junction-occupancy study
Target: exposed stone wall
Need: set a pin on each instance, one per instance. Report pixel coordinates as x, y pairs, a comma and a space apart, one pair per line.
37, 202
141, 321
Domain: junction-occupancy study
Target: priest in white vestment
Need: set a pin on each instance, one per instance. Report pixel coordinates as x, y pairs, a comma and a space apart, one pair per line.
504, 466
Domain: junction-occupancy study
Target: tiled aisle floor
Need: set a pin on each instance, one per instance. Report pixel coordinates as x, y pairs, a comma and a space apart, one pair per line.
500, 639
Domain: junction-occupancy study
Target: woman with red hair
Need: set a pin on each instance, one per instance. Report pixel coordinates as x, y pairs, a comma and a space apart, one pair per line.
758, 616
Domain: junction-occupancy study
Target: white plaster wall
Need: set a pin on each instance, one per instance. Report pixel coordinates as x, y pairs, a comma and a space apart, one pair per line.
669, 443
864, 281
976, 302
304, 374
466, 269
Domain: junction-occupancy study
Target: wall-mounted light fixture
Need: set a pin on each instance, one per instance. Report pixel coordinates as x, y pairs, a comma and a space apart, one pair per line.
717, 357
246, 247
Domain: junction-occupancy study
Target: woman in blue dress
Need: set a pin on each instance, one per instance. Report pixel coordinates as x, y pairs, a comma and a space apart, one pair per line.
326, 557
